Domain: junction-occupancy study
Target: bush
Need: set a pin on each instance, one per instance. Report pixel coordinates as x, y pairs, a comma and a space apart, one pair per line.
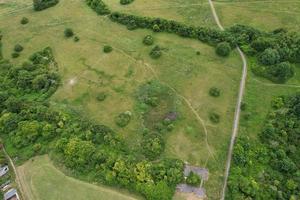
223, 49
198, 53
125, 2
243, 106
155, 53
18, 48
269, 57
261, 43
15, 54
68, 32
101, 96
193, 179
123, 119
214, 92
155, 28
76, 39
214, 117
24, 20
148, 40
39, 5
107, 49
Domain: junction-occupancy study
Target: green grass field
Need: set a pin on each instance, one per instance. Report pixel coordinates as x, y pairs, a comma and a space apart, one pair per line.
87, 71
42, 181
266, 15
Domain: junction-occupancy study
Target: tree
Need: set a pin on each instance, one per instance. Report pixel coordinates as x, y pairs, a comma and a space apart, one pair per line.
269, 57
123, 119
193, 179
214, 92
148, 40
107, 49
223, 49
68, 32
156, 52
24, 20
262, 43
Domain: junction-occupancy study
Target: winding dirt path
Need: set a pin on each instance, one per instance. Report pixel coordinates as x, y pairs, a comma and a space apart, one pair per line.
238, 105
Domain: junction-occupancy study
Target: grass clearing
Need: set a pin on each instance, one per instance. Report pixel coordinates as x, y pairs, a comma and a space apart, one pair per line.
42, 181
87, 71
265, 15
192, 12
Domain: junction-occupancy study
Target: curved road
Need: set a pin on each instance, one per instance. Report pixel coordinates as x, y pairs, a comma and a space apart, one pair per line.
238, 105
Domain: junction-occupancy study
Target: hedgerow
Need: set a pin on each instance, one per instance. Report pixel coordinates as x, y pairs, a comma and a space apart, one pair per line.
98, 6
39, 5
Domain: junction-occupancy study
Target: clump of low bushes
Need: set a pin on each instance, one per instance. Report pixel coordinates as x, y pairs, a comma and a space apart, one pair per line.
107, 49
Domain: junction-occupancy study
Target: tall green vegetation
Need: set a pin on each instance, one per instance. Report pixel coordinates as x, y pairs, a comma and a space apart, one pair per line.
268, 168
125, 2
39, 5
98, 6
30, 126
268, 48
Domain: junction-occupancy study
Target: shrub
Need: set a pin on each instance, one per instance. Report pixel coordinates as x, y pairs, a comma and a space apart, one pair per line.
101, 96
76, 39
198, 53
214, 92
68, 32
123, 119
18, 48
39, 5
243, 106
107, 49
24, 20
223, 49
15, 54
269, 57
155, 53
148, 40
214, 117
125, 2
156, 28
193, 179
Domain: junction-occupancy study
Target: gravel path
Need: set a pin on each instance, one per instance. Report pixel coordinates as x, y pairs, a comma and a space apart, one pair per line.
238, 105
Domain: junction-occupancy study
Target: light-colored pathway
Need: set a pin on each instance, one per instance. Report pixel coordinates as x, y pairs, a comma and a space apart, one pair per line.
238, 105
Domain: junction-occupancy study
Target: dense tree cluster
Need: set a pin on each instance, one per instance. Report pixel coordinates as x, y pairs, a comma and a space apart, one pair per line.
268, 168
39, 5
98, 6
271, 49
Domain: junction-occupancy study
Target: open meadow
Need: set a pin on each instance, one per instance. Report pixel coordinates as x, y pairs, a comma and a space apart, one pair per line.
40, 180
86, 71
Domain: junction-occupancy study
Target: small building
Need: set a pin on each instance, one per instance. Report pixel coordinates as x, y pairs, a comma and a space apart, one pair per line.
12, 194
3, 170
